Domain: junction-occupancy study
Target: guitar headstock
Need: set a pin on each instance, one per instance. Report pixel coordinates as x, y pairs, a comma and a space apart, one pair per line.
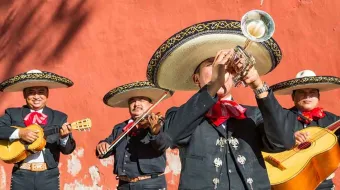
82, 125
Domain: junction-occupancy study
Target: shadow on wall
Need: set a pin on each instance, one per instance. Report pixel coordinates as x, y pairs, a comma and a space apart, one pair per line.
38, 31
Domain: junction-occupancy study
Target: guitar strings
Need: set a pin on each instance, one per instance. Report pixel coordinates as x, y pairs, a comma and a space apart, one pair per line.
330, 129
315, 137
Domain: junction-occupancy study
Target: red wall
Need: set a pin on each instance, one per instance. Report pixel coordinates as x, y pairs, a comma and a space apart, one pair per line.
100, 44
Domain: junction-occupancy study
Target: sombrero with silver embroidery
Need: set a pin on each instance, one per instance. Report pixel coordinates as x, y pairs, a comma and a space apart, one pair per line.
119, 96
306, 79
174, 62
34, 78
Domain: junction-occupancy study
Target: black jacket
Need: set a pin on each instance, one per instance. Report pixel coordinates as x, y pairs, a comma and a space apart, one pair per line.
197, 140
151, 150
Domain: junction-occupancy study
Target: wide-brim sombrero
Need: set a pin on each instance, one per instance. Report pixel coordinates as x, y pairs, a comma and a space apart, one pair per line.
119, 96
174, 62
35, 78
306, 79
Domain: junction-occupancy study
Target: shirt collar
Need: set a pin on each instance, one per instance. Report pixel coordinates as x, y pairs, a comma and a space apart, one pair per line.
40, 111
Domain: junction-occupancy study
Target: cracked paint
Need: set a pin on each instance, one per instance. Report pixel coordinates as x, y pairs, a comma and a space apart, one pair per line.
78, 184
73, 164
2, 178
173, 167
107, 161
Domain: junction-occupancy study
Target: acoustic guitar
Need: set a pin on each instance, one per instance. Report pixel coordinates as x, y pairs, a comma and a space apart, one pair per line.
307, 164
15, 151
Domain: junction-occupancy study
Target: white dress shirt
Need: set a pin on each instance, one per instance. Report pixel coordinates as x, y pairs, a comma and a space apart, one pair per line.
37, 157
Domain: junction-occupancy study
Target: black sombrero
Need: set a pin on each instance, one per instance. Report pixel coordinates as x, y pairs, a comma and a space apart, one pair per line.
34, 78
119, 96
174, 62
306, 79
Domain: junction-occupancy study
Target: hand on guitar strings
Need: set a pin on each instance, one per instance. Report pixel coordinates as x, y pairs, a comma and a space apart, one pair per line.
28, 135
300, 137
65, 130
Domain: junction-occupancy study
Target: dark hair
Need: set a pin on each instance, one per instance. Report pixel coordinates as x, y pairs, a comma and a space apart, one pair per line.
35, 86
210, 59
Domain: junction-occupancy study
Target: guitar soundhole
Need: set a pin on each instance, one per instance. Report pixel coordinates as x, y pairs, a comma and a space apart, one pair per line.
304, 145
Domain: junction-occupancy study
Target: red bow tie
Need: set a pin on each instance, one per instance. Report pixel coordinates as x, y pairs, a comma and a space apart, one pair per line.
35, 118
314, 114
223, 110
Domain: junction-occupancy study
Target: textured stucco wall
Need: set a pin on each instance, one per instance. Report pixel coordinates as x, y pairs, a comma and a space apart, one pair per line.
100, 44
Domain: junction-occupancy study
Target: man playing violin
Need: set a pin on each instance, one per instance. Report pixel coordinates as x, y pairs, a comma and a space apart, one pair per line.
39, 171
305, 91
140, 156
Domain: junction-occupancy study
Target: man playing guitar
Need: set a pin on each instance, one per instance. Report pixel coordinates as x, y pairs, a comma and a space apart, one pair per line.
39, 171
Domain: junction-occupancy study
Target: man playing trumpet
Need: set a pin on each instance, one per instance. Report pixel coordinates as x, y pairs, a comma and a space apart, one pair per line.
219, 140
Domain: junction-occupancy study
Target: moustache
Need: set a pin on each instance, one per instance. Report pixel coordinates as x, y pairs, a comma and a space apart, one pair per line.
137, 107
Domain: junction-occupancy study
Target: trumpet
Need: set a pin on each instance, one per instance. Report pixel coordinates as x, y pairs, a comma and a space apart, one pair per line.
256, 26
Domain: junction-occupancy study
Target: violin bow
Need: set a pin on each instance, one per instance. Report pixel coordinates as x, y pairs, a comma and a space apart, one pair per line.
122, 135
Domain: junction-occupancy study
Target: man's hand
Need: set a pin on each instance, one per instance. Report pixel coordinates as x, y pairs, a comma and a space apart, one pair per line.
220, 70
28, 135
220, 65
252, 78
154, 126
65, 130
102, 148
301, 136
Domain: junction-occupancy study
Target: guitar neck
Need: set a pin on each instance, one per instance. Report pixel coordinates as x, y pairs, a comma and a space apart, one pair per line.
334, 126
80, 125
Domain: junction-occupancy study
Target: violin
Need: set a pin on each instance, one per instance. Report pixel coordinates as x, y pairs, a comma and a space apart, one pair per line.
145, 123
135, 123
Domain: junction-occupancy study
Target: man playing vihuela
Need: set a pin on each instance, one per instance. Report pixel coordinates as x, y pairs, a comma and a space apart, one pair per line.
36, 170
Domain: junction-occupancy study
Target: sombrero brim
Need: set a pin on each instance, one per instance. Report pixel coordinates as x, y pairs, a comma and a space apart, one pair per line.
322, 83
175, 61
119, 97
24, 80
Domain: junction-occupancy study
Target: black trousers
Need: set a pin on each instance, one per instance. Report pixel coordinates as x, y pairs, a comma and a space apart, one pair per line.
28, 180
326, 185
158, 183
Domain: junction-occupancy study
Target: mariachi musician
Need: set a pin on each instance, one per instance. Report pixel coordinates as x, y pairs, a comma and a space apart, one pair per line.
39, 171
140, 156
305, 92
219, 140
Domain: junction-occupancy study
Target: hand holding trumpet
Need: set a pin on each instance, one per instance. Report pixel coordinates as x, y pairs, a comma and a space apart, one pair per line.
227, 65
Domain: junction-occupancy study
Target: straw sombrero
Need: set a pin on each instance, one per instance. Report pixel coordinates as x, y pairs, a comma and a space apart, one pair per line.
306, 79
119, 97
34, 78
174, 62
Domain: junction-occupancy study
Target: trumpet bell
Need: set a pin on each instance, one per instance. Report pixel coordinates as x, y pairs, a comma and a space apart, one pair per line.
257, 25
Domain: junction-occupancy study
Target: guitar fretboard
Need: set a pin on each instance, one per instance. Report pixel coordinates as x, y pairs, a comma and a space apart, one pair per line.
334, 126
